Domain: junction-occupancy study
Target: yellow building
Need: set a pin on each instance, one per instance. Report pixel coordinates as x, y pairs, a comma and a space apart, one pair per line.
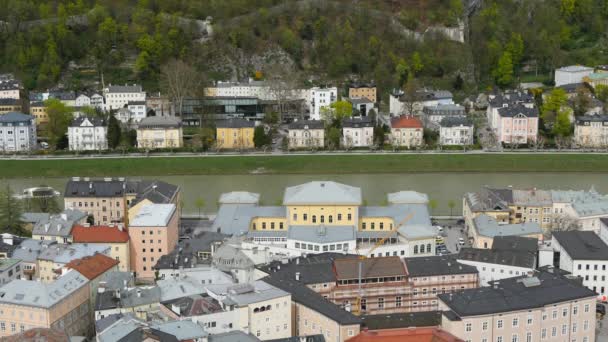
235, 134
10, 105
362, 90
159, 132
591, 131
38, 110
117, 238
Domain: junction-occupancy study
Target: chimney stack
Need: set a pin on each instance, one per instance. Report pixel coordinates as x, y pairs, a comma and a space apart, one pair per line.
298, 276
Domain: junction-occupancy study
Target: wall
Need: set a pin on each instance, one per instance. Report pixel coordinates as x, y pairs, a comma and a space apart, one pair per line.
159, 137
104, 210
489, 272
271, 324
310, 322
235, 138
326, 210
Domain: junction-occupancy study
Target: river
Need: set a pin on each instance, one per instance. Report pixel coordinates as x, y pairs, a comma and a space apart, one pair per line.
441, 187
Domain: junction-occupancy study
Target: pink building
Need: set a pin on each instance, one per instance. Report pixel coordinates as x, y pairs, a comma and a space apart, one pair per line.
516, 124
153, 232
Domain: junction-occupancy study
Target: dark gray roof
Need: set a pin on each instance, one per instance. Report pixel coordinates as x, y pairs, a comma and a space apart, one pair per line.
306, 124
309, 338
188, 250
518, 243
15, 117
136, 103
302, 295
94, 120
104, 323
235, 123
10, 102
516, 294
124, 89
98, 188
359, 100
62, 95
490, 199
510, 98
571, 87
582, 245
591, 118
159, 122
313, 269
436, 265
233, 336
358, 122
155, 191
451, 121
357, 84
500, 257
514, 110
402, 320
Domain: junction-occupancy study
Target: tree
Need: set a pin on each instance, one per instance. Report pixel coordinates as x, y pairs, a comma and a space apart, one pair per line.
114, 132
562, 126
503, 74
581, 101
281, 85
379, 136
200, 204
416, 63
565, 222
552, 105
410, 96
451, 205
601, 92
260, 138
11, 210
45, 204
60, 117
180, 80
342, 109
432, 205
333, 137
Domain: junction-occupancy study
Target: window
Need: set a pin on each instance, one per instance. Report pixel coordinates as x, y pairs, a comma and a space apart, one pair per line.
349, 217
322, 218
468, 327
13, 327
363, 225
2, 326
416, 249
305, 217
586, 325
484, 326
314, 219
263, 225
528, 337
499, 324
295, 217
380, 303
330, 219
543, 333
564, 329
398, 301
575, 310
554, 314
339, 217
271, 225
553, 331
499, 339
514, 338
564, 312
515, 322
586, 307
574, 327
529, 320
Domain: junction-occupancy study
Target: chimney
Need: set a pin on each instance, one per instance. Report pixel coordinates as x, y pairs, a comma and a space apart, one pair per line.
495, 285
138, 293
46, 227
297, 261
101, 289
124, 283
117, 294
298, 276
64, 216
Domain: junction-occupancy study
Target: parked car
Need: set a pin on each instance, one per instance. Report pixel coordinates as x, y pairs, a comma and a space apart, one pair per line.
461, 241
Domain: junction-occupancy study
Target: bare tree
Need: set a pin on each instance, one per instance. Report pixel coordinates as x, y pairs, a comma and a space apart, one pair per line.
281, 85
180, 80
538, 143
562, 142
563, 222
410, 96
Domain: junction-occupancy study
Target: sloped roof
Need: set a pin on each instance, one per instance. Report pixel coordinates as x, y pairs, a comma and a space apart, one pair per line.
488, 226
15, 117
307, 124
154, 215
370, 268
436, 265
516, 258
135, 88
406, 121
582, 245
59, 224
42, 295
357, 122
159, 122
93, 120
235, 123
99, 234
92, 266
514, 110
322, 192
322, 234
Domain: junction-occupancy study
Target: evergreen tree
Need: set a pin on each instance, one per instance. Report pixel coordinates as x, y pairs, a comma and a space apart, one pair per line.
260, 138
11, 211
113, 132
504, 72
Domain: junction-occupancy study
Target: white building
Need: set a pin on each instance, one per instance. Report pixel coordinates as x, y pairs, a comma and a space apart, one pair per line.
17, 132
507, 99
82, 100
357, 132
398, 103
456, 131
362, 104
571, 74
306, 134
258, 89
584, 255
97, 101
88, 134
119, 96
495, 264
10, 269
138, 110
320, 98
10, 88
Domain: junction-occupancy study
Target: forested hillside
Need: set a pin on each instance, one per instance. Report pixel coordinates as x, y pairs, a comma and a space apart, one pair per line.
75, 42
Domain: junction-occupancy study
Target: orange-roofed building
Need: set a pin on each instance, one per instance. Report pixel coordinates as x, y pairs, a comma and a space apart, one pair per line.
406, 131
432, 334
115, 237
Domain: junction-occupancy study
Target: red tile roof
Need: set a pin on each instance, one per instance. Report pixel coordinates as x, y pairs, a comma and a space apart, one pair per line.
406, 335
406, 121
99, 234
92, 266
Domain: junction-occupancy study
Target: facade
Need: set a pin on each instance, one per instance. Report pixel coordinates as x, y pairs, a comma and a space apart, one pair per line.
434, 275
361, 104
434, 114
406, 131
159, 132
543, 306
62, 305
124, 115
363, 90
496, 264
116, 237
10, 88
38, 111
119, 96
10, 269
28, 252
321, 98
571, 74
510, 99
82, 100
456, 131
88, 134
585, 255
591, 131
9, 105
52, 260
17, 132
58, 227
160, 105
139, 110
325, 216
153, 233
235, 134
306, 134
517, 124
357, 132
399, 104
116, 294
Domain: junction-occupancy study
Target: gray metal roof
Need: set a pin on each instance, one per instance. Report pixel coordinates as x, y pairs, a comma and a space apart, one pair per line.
322, 192
30, 249
235, 218
42, 295
159, 122
35, 217
155, 191
307, 124
129, 298
452, 121
532, 197
517, 243
182, 330
359, 100
94, 121
322, 234
500, 257
514, 110
235, 123
63, 254
59, 224
245, 294
582, 245
228, 257
402, 320
135, 88
239, 197
591, 118
121, 330
313, 269
489, 199
585, 209
13, 117
488, 226
436, 265
516, 294
154, 215
109, 187
357, 122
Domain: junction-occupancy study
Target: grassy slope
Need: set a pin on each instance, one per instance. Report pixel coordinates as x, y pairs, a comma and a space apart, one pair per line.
305, 165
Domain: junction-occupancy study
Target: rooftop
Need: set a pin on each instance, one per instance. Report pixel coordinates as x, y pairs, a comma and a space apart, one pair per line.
321, 234
360, 122
155, 191
516, 294
159, 122
42, 295
13, 117
402, 320
582, 245
516, 243
245, 294
313, 269
454, 121
182, 330
107, 187
512, 111
489, 199
135, 88
93, 121
233, 336
406, 335
62, 253
307, 124
235, 123
500, 257
436, 265
532, 197
194, 305
99, 234
154, 215
7, 263
591, 118
406, 121
370, 268
130, 297
30, 249
92, 266
59, 224
488, 226
322, 192
575, 68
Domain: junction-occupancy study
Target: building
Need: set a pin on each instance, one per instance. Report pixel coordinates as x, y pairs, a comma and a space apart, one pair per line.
306, 134
82, 100
407, 131
17, 132
544, 306
159, 105
434, 114
585, 255
189, 254
9, 105
361, 105
51, 260
235, 134
159, 132
571, 74
357, 132
366, 90
456, 131
117, 295
10, 269
67, 97
400, 104
38, 111
117, 96
517, 124
58, 227
597, 78
321, 98
497, 264
10, 88
434, 275
413, 334
203, 310
485, 228
116, 237
153, 233
107, 200
62, 304
139, 110
500, 102
591, 131
28, 252
325, 216
88, 134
